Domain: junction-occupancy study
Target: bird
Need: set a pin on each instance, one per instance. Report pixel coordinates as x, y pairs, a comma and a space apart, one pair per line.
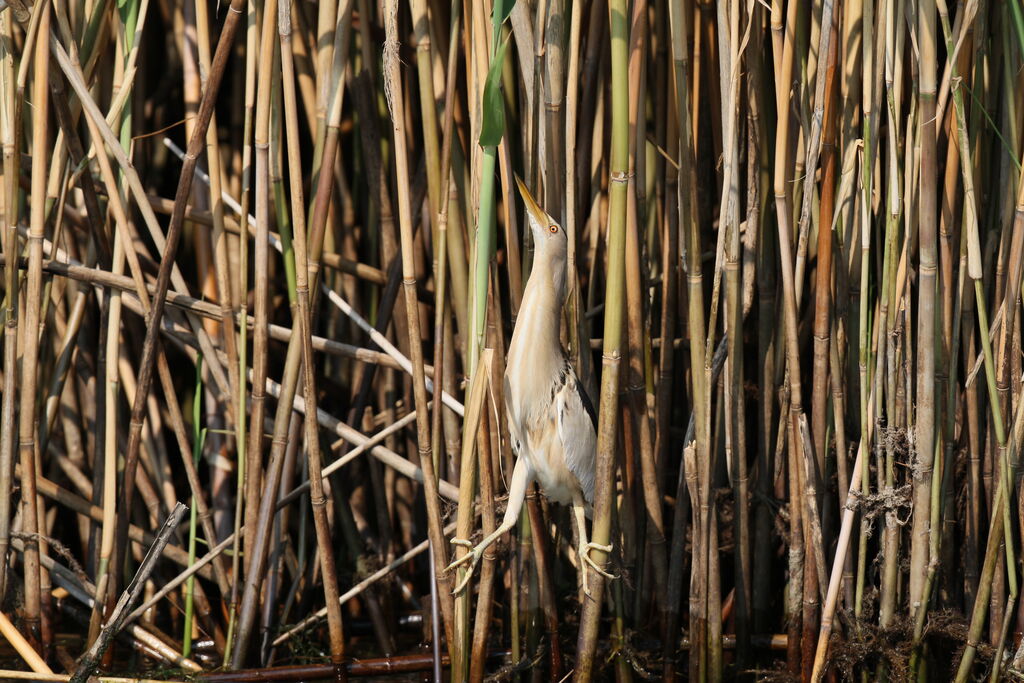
551, 420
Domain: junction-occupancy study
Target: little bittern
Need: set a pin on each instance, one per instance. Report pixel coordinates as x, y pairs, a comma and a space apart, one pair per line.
551, 421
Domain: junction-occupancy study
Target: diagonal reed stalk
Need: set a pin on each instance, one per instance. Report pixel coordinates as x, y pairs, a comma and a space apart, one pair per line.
149, 350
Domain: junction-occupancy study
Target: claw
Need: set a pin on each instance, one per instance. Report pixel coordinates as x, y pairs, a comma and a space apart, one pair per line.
472, 557
584, 553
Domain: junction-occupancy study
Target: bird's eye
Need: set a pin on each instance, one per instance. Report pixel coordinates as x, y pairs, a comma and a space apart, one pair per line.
553, 228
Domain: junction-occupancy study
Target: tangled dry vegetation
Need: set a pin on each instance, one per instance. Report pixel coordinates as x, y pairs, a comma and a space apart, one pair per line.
264, 258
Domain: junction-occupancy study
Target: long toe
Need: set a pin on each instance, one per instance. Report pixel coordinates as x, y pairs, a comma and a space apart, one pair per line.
585, 554
465, 580
473, 557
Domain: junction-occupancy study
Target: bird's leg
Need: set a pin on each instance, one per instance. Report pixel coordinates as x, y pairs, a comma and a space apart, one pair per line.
579, 510
522, 476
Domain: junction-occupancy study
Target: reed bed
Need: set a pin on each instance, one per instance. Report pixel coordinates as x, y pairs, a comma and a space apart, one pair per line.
264, 259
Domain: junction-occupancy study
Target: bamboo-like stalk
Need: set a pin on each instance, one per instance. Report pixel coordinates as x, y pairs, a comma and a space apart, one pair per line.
11, 168
926, 422
31, 317
244, 460
728, 37
573, 304
845, 537
695, 318
797, 585
442, 323
612, 353
824, 275
396, 105
635, 325
317, 499
885, 360
110, 494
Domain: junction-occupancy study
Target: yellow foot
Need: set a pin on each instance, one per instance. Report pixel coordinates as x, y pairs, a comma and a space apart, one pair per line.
584, 553
473, 557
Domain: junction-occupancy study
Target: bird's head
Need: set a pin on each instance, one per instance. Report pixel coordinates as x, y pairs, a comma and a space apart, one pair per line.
548, 235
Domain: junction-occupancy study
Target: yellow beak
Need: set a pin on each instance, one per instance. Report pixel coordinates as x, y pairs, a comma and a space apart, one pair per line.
538, 213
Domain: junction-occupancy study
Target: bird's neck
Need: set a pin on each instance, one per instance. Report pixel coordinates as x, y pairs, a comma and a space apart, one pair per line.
545, 291
548, 276
540, 316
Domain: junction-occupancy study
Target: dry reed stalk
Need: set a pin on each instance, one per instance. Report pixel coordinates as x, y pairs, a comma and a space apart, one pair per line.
927, 302
304, 331
149, 352
695, 318
31, 317
475, 403
824, 275
221, 276
397, 110
636, 377
485, 594
22, 647
796, 585
256, 515
576, 331
845, 538
729, 54
11, 167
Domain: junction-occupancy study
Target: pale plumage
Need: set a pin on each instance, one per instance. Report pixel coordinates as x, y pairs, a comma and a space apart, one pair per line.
551, 421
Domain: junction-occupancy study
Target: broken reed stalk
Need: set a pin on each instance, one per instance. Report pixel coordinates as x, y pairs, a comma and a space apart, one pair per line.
115, 621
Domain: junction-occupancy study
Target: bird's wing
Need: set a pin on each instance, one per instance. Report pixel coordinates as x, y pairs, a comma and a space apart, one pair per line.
577, 429
514, 432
